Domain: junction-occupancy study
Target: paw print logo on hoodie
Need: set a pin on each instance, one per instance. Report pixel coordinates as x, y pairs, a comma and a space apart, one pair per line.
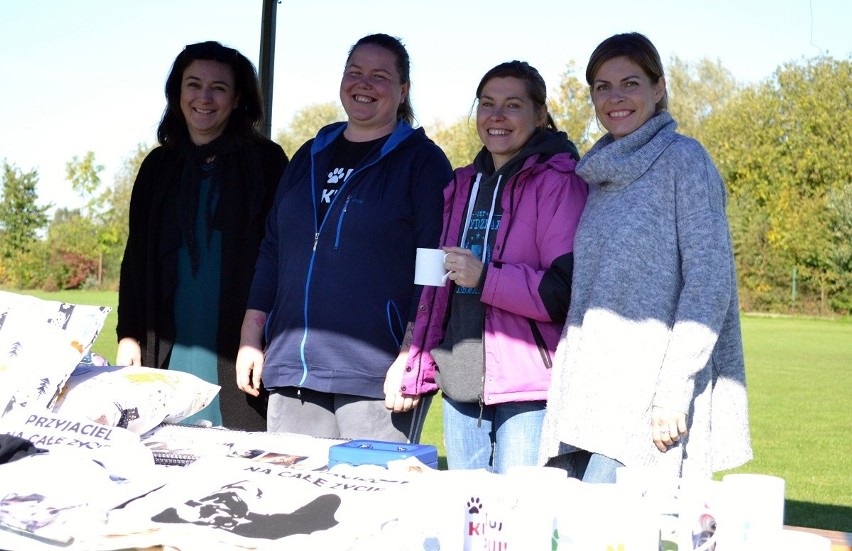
335, 176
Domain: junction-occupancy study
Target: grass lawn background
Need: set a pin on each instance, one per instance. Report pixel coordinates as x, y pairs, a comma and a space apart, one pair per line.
799, 376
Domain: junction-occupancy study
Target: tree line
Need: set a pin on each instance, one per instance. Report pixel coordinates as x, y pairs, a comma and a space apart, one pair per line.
783, 147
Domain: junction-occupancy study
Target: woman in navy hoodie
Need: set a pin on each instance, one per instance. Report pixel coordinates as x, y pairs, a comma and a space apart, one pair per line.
334, 283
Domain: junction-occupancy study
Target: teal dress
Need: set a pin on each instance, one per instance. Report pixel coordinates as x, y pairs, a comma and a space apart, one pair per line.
197, 302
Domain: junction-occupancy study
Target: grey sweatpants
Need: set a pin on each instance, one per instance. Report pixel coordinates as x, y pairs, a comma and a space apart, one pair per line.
324, 415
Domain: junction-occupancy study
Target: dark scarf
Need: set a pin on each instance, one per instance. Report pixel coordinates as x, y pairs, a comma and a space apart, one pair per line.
215, 159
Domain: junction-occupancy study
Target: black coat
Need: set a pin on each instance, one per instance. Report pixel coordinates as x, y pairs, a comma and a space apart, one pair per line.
149, 268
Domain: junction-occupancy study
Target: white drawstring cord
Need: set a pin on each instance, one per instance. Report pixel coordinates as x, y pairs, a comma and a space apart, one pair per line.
473, 193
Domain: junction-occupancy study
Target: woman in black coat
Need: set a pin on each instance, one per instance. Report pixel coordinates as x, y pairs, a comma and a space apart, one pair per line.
197, 216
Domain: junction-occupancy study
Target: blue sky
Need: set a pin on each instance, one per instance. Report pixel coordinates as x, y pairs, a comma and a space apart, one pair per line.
88, 75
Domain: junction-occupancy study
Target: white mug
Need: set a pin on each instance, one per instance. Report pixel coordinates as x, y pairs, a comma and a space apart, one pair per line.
685, 508
429, 267
753, 507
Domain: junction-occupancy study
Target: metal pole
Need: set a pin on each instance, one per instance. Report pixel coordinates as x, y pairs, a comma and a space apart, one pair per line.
793, 293
267, 61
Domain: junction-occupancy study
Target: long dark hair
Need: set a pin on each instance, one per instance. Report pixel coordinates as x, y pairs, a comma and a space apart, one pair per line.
533, 82
403, 66
637, 48
245, 120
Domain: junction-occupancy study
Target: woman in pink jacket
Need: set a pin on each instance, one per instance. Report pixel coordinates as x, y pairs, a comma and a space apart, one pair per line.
487, 337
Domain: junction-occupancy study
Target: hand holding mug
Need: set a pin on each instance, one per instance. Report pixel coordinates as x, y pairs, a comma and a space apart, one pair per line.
464, 268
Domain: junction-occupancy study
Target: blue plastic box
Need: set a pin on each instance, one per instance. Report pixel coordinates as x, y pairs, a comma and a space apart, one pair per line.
376, 452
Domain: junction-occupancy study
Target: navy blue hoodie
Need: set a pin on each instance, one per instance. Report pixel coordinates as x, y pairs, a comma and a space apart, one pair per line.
339, 295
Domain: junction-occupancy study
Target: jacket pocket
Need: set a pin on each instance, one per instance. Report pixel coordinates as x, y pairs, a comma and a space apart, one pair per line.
342, 218
396, 323
540, 344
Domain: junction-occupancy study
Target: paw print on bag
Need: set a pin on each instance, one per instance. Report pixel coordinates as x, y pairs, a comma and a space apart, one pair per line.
474, 506
335, 176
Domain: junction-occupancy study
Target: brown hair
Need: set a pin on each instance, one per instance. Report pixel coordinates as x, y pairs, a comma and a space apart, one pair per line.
403, 66
533, 82
637, 48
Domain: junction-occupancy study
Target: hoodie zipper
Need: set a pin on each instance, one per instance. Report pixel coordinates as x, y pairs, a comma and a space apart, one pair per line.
317, 231
482, 394
470, 208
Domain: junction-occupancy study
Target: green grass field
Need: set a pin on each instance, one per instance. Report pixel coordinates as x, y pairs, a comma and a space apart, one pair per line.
799, 374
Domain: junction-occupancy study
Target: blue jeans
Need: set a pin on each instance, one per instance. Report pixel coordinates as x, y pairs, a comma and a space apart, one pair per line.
596, 468
508, 435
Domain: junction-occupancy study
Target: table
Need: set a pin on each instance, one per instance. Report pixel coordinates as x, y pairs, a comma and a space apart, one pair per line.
840, 541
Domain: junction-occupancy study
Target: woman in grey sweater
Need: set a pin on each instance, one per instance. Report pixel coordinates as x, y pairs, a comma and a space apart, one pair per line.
649, 369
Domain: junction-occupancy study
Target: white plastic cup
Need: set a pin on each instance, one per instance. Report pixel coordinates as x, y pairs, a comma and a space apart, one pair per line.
532, 518
647, 482
605, 516
446, 513
698, 511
